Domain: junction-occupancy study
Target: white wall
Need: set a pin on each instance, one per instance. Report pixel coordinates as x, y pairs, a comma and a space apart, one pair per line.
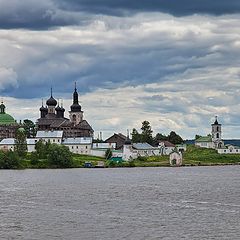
204, 144
228, 151
79, 148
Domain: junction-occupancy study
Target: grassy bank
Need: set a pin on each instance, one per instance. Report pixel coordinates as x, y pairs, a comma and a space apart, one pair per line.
194, 156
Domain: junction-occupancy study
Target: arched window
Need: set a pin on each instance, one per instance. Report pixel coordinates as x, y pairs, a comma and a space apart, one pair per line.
217, 135
217, 129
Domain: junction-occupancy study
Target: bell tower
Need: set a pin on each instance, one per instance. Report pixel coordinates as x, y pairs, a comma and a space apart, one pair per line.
217, 134
76, 113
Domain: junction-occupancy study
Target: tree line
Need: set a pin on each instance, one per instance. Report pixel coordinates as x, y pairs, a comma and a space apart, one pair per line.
146, 135
56, 156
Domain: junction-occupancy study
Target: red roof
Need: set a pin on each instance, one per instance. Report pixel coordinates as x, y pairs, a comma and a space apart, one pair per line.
167, 143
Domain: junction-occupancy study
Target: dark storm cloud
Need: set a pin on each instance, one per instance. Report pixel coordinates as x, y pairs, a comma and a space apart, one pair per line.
31, 14
175, 7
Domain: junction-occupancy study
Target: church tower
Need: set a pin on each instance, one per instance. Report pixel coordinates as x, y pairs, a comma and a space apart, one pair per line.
76, 113
217, 134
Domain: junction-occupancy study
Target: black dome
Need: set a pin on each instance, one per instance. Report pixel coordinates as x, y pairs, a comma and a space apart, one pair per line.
127, 142
51, 102
76, 108
42, 109
58, 108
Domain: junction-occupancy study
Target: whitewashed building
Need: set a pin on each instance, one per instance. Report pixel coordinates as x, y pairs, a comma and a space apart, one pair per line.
80, 145
229, 149
166, 147
135, 150
104, 145
214, 140
175, 158
7, 144
50, 136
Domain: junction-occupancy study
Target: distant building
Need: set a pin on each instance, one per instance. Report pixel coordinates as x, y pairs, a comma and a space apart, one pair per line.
117, 138
50, 136
135, 150
229, 149
8, 126
214, 140
80, 145
7, 144
104, 145
166, 147
52, 118
175, 158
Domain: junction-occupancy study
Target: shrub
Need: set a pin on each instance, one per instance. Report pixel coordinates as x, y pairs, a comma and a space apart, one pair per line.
108, 153
60, 156
9, 160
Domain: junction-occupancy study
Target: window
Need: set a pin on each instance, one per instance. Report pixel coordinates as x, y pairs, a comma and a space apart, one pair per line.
77, 147
53, 140
72, 147
86, 147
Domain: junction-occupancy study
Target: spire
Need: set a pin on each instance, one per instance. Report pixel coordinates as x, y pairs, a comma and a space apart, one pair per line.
75, 107
128, 141
2, 107
216, 120
51, 91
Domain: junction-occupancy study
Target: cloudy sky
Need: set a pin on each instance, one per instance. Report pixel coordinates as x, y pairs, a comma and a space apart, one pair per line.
173, 63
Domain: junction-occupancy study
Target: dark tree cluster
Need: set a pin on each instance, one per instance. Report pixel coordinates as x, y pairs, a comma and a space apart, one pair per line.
146, 136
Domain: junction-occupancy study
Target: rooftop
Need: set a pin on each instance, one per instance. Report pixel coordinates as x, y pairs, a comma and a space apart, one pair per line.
49, 134
204, 139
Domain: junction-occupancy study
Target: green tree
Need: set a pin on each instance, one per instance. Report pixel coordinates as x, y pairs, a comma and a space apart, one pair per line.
60, 156
20, 146
136, 137
9, 160
146, 132
108, 153
41, 149
174, 138
197, 136
29, 127
159, 137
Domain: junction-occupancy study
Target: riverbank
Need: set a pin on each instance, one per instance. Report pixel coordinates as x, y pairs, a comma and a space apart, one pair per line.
194, 156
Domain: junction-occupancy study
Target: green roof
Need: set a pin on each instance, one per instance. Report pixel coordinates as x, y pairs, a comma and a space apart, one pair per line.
204, 139
6, 119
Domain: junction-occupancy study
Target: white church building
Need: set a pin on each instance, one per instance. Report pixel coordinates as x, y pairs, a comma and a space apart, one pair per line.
214, 140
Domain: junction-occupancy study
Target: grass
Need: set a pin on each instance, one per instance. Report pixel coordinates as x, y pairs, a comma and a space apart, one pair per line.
194, 156
204, 156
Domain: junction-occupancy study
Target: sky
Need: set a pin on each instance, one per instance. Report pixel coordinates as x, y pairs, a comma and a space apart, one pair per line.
173, 63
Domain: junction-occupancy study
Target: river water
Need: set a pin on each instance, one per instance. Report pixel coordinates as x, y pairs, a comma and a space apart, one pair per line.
127, 203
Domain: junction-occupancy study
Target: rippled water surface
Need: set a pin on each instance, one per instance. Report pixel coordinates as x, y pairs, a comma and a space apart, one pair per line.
138, 203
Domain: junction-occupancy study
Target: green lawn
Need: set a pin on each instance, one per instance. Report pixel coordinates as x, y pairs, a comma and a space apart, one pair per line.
203, 156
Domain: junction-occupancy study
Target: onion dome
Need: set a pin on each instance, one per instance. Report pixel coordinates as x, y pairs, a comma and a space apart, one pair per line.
51, 101
75, 107
127, 142
4, 117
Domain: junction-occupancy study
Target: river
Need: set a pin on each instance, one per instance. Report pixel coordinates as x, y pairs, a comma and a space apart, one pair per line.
124, 203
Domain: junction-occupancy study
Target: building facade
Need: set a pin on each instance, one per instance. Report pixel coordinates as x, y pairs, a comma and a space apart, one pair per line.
8, 126
214, 140
52, 119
